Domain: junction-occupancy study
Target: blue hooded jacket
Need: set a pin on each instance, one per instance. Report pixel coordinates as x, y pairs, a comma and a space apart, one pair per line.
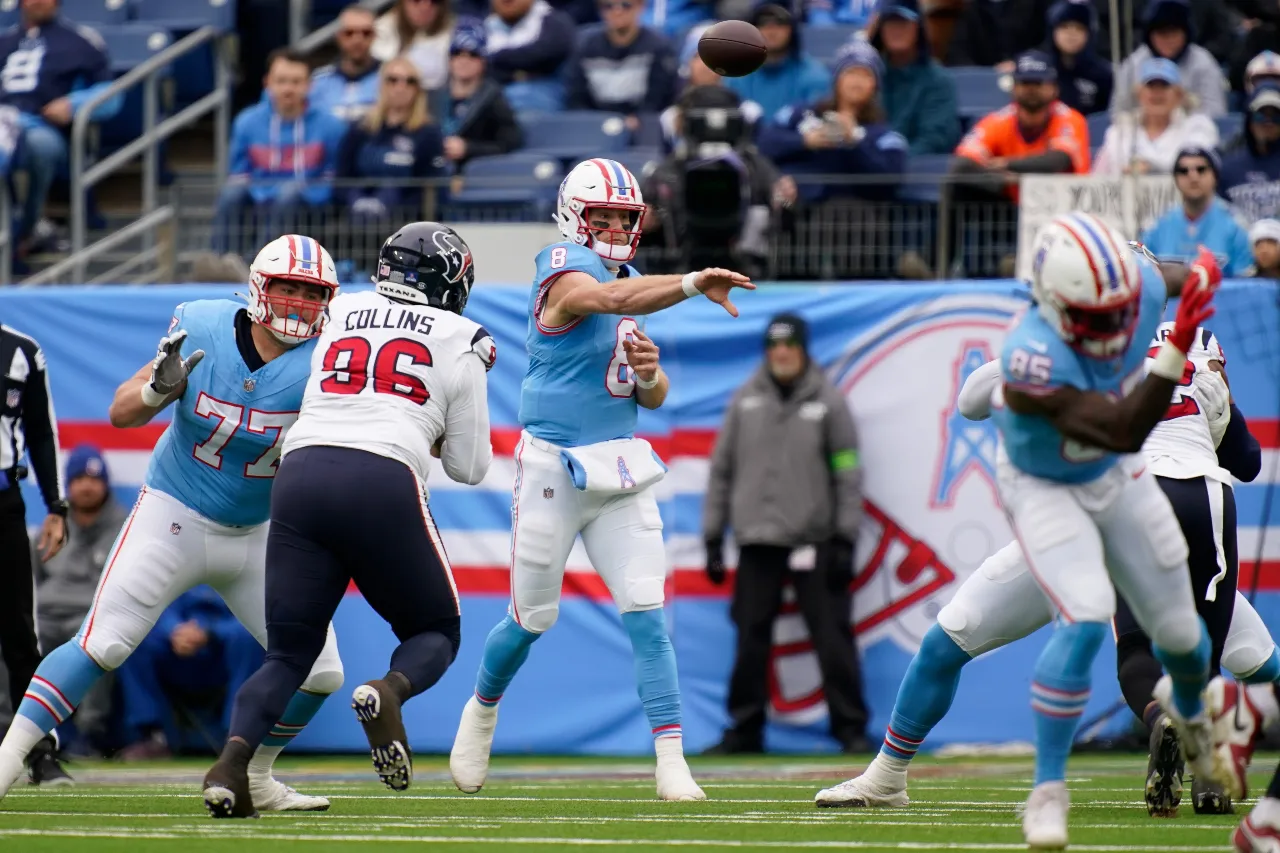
1085, 80
798, 77
919, 97
267, 151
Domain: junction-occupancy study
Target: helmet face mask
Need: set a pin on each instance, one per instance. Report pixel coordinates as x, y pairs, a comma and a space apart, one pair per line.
596, 185
296, 311
426, 263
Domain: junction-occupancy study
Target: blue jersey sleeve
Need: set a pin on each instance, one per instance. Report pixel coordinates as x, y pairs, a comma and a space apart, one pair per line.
560, 258
1036, 362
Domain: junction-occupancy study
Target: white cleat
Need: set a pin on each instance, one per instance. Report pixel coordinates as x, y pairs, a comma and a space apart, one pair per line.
868, 791
1044, 823
1260, 830
1237, 726
1196, 735
675, 782
271, 795
469, 758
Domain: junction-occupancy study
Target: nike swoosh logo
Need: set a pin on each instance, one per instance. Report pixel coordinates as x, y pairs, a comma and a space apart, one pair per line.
1139, 472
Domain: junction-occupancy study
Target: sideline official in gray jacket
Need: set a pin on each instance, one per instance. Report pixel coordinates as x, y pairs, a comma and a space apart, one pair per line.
785, 479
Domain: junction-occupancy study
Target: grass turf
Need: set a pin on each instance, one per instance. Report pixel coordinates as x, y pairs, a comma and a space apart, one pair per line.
567, 803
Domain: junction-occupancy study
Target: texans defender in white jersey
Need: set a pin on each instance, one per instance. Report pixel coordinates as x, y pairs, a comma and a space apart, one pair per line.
201, 515
579, 467
398, 376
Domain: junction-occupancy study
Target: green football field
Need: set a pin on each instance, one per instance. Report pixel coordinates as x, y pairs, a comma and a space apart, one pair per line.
556, 803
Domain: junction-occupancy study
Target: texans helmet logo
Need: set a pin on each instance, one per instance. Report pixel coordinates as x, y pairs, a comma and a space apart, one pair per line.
457, 256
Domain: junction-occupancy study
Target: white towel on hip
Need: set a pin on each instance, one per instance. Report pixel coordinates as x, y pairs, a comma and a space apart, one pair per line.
613, 467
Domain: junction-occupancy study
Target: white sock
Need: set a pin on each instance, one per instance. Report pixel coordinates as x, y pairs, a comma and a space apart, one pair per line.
1263, 697
21, 738
263, 760
887, 765
669, 748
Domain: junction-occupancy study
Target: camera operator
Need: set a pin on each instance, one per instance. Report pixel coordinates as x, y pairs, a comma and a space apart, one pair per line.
709, 200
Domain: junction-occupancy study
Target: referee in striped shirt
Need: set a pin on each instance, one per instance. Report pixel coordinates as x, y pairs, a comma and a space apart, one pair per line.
28, 428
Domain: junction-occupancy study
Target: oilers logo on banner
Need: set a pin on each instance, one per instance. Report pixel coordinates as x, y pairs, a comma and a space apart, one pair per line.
932, 514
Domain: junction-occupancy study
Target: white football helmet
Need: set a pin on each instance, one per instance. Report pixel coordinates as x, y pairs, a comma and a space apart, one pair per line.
1086, 282
596, 184
293, 258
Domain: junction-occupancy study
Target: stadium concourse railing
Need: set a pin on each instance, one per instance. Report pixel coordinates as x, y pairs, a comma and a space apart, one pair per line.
913, 237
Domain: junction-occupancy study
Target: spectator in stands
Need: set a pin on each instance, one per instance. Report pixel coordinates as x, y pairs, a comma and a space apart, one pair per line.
993, 32
396, 140
1167, 32
825, 13
1147, 140
843, 134
196, 651
283, 157
65, 583
479, 122
694, 72
919, 95
1084, 78
1264, 237
1036, 134
528, 42
1202, 219
622, 67
1256, 60
789, 74
52, 68
348, 87
420, 29
1250, 177
1214, 29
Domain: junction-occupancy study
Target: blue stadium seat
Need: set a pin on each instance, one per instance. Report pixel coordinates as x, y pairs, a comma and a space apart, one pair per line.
94, 12
521, 185
9, 14
1230, 126
1098, 124
129, 45
185, 15
574, 135
978, 92
640, 161
924, 178
822, 42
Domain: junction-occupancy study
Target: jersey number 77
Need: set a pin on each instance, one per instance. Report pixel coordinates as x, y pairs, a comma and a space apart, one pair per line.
349, 360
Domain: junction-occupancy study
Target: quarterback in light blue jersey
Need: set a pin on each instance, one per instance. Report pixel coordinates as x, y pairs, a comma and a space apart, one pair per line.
201, 515
580, 469
1074, 409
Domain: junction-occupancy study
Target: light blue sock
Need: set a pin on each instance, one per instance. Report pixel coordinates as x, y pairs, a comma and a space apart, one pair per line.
656, 679
1059, 693
925, 695
1267, 673
59, 685
505, 651
301, 708
1190, 673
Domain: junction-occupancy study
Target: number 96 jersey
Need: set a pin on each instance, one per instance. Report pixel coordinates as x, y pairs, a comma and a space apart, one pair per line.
390, 378
1181, 446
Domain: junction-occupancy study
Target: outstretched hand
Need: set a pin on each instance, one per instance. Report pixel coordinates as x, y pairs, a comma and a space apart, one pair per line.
642, 355
1196, 304
715, 284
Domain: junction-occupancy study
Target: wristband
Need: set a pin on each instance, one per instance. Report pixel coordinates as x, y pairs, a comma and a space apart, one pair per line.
1169, 362
652, 383
151, 397
690, 285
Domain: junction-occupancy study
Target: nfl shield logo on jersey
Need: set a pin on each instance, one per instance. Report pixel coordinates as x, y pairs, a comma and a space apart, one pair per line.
175, 528
548, 493
249, 385
13, 398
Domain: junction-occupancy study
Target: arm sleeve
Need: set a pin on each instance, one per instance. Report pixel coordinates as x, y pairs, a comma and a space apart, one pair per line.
980, 144
41, 425
1239, 452
846, 472
974, 399
715, 503
507, 133
238, 155
95, 77
1057, 161
882, 153
939, 125
780, 139
467, 452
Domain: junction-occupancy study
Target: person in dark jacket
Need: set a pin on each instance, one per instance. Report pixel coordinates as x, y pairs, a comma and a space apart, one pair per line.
528, 43
1250, 177
785, 478
1209, 21
918, 93
788, 74
479, 121
622, 66
1084, 78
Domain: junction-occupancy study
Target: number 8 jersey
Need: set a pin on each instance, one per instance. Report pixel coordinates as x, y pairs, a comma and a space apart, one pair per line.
219, 454
578, 389
390, 378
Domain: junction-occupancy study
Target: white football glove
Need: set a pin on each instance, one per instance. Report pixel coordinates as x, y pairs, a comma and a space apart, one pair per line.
168, 369
1215, 396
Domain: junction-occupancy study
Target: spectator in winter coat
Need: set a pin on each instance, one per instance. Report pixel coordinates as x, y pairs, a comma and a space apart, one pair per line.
422, 30
528, 42
1084, 78
622, 67
396, 140
52, 67
283, 156
1250, 177
843, 134
1213, 28
1147, 141
479, 122
789, 74
349, 87
1201, 219
919, 96
1264, 237
1167, 32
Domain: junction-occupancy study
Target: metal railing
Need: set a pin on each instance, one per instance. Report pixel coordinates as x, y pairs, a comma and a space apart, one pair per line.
71, 269
319, 38
148, 74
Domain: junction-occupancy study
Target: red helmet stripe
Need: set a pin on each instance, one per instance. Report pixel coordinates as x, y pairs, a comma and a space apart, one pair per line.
608, 181
1084, 247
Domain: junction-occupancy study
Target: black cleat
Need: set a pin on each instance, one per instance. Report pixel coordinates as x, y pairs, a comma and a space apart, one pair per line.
1164, 770
45, 768
1208, 797
226, 791
378, 709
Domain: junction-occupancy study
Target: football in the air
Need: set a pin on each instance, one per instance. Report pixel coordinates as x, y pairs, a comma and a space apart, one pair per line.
732, 48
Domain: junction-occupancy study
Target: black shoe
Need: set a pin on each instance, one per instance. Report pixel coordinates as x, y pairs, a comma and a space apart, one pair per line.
377, 708
1208, 797
44, 767
1164, 770
733, 745
226, 791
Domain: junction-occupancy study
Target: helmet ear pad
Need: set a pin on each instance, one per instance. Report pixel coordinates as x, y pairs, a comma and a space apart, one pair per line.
426, 263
